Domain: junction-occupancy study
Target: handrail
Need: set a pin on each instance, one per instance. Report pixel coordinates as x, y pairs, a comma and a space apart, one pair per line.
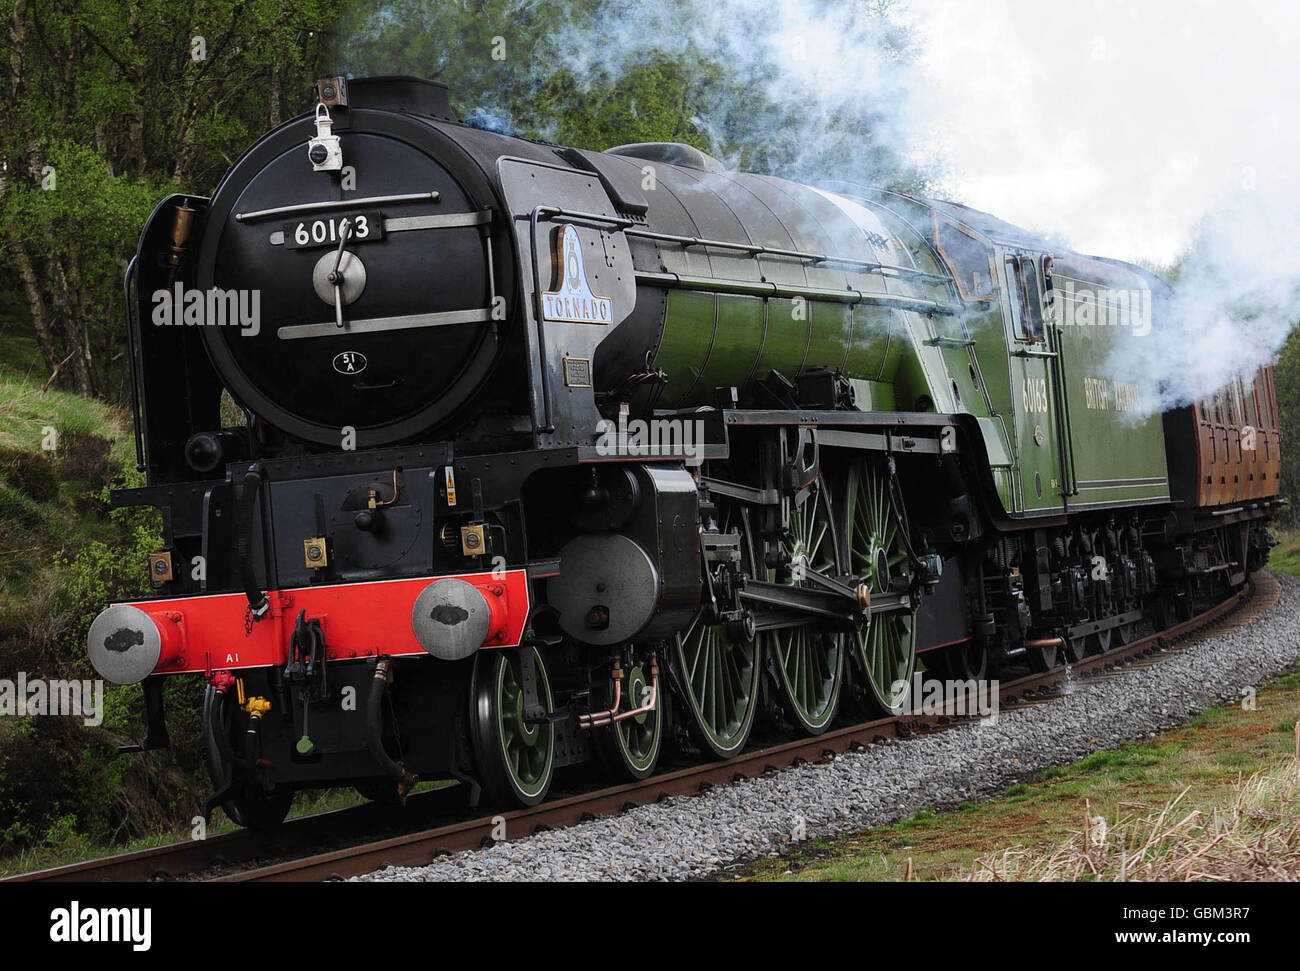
133, 343
631, 227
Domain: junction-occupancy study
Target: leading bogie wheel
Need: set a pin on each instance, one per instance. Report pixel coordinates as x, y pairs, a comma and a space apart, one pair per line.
966, 660
247, 805
514, 742
629, 748
263, 811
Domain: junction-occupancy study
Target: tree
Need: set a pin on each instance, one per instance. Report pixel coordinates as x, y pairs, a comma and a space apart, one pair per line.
1287, 381
107, 106
813, 97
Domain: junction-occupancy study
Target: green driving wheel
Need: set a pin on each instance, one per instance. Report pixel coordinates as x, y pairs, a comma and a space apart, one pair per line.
884, 649
515, 747
808, 662
719, 676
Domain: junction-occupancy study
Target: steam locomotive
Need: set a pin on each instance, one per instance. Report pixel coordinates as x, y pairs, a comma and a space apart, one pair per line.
543, 455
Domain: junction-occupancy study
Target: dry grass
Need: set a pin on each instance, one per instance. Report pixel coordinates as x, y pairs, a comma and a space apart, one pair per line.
1209, 757
1254, 837
26, 411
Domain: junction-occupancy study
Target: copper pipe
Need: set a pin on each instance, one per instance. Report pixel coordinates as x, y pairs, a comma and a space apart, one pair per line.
1046, 642
593, 719
389, 502
613, 716
654, 693
645, 709
596, 718
649, 706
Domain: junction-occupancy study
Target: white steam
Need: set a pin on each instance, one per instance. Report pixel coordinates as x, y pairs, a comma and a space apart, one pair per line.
1159, 131
1237, 297
837, 72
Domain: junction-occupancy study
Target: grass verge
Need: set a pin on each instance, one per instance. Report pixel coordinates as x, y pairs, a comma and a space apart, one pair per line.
1218, 798
1285, 556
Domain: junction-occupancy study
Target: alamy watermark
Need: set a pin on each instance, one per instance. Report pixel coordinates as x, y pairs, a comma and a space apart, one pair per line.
1105, 307
179, 307
75, 924
22, 697
642, 438
931, 696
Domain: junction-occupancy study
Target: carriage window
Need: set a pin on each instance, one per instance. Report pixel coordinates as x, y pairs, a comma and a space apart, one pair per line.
1030, 325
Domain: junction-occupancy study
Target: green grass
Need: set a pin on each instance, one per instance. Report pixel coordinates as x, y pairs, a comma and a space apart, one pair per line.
33, 530
74, 848
1210, 754
1285, 557
27, 412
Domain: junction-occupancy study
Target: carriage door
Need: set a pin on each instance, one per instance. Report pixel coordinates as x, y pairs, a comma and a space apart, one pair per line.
1034, 378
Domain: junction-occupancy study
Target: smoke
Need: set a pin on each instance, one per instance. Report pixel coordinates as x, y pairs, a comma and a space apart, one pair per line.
1157, 132
808, 89
1236, 300
489, 120
811, 89
1160, 132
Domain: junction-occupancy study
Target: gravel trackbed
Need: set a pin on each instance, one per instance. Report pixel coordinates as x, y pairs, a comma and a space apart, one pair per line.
691, 837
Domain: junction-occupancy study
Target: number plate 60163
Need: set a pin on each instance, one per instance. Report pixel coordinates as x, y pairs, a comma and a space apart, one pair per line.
327, 230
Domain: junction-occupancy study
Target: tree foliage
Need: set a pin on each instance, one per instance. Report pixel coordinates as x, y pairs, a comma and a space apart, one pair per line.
109, 105
1287, 380
106, 106
596, 73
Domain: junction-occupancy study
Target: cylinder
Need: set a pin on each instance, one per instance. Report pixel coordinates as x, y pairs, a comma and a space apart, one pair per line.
607, 590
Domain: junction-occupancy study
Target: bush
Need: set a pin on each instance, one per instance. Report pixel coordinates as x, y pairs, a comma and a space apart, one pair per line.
31, 473
18, 511
52, 769
87, 457
99, 572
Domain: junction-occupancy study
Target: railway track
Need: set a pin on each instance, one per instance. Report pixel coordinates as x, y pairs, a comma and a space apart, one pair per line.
291, 854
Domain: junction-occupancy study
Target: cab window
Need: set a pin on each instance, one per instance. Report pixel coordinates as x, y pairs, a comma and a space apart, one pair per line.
1029, 327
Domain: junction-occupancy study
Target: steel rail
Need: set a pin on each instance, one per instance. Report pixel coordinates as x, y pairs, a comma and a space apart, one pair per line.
417, 849
230, 851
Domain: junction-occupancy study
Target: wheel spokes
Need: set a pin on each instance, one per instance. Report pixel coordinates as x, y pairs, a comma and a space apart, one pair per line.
808, 662
886, 647
721, 676
526, 750
638, 737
